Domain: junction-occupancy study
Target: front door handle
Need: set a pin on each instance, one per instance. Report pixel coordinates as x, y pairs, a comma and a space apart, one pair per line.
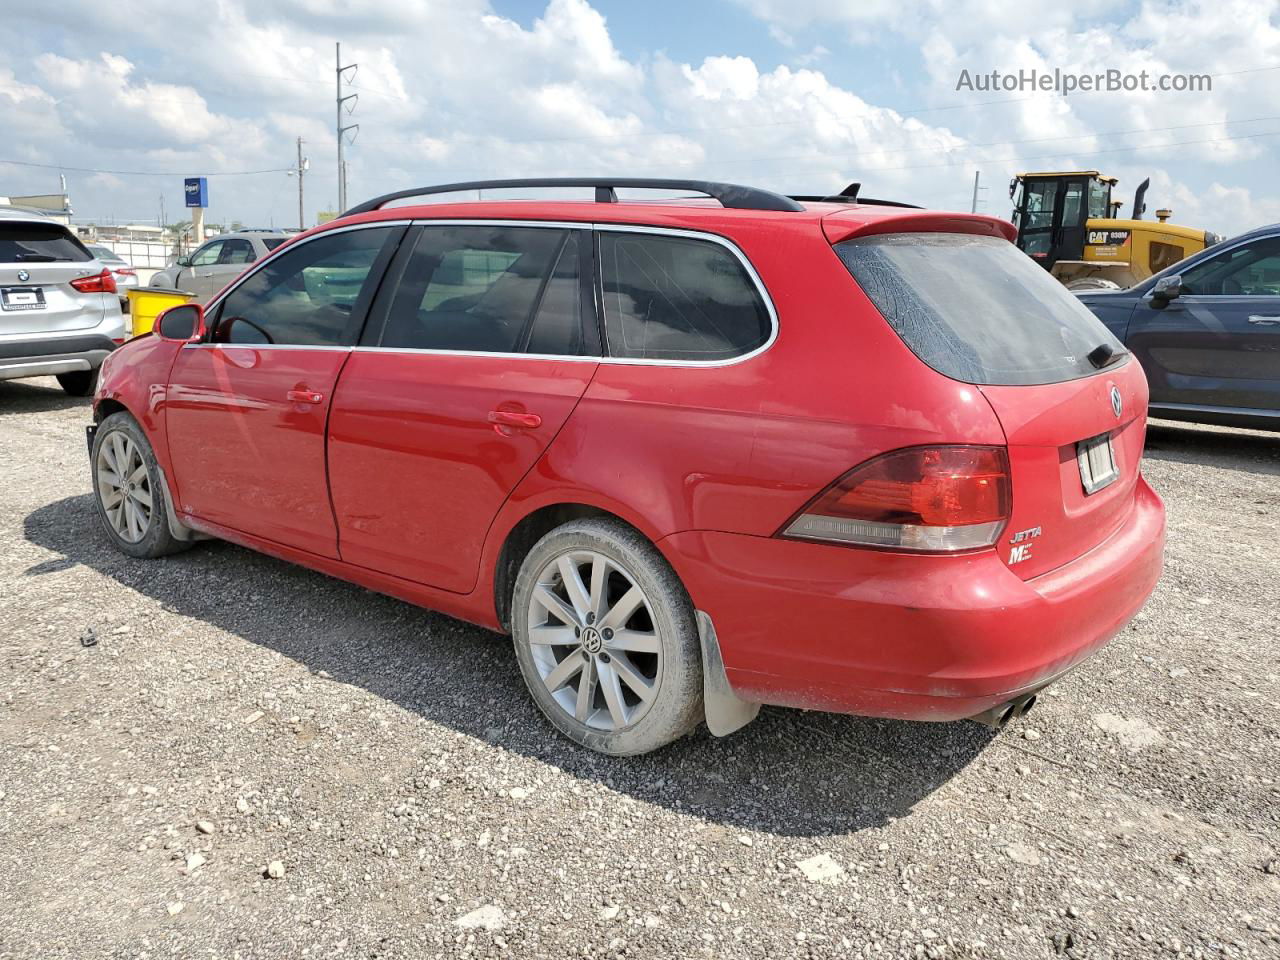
1264, 320
304, 396
509, 418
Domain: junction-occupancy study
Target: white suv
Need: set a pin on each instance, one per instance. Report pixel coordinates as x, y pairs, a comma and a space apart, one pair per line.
59, 309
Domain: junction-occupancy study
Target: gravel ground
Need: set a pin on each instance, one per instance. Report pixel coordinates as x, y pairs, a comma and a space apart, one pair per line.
256, 761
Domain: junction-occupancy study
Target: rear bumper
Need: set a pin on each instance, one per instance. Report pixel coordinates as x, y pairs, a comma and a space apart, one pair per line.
915, 637
53, 355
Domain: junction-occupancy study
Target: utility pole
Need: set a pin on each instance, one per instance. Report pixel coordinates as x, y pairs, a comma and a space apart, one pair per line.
302, 169
977, 176
342, 131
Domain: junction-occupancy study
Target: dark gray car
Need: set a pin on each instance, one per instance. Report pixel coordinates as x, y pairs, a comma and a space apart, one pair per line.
1207, 332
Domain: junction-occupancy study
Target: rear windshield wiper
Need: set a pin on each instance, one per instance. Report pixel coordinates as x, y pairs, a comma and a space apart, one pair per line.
39, 258
1103, 355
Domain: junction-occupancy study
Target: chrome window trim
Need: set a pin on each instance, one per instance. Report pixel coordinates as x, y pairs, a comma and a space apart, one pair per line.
265, 346
761, 290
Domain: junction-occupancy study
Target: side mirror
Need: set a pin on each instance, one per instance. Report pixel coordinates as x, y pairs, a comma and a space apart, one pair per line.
183, 261
1166, 289
182, 324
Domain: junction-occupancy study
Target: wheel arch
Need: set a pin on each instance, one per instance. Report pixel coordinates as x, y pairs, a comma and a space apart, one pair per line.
522, 536
108, 406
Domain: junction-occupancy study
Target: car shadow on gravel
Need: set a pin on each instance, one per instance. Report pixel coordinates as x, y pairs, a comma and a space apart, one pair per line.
789, 772
19, 396
1247, 451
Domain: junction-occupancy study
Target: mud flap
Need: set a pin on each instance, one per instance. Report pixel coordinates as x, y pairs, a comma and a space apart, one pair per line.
724, 710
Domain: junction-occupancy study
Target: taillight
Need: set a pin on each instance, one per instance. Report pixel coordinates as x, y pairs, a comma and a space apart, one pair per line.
922, 498
126, 272
102, 282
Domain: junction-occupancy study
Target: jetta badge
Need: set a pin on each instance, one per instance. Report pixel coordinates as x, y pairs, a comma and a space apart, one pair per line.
1117, 402
24, 276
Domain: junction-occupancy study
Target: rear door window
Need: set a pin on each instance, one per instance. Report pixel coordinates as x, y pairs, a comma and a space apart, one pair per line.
39, 243
678, 298
236, 251
976, 308
490, 289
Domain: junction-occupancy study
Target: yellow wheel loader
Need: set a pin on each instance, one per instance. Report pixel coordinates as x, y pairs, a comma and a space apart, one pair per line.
1067, 222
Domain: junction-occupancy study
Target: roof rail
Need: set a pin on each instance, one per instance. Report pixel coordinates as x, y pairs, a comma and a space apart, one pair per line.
729, 194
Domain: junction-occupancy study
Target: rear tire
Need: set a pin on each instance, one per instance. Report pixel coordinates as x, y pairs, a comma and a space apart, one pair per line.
129, 491
79, 383
595, 603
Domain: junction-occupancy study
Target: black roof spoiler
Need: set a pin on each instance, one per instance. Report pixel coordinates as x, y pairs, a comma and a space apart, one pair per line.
730, 195
850, 195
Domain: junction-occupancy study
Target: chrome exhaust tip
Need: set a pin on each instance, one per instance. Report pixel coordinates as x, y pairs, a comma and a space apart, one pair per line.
998, 717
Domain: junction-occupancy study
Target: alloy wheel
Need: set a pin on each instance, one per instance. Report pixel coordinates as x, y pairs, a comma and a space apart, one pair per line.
124, 486
594, 640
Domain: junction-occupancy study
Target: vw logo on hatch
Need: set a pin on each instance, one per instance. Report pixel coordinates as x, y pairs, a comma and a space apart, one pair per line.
24, 276
1117, 402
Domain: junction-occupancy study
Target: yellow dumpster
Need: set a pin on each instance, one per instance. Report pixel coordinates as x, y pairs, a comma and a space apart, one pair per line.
147, 303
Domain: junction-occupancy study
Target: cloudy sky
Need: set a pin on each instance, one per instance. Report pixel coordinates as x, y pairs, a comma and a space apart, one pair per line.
799, 95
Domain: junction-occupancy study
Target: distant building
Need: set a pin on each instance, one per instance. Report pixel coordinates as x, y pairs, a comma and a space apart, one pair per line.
55, 206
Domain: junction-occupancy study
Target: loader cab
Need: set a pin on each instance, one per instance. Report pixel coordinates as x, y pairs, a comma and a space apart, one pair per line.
1050, 210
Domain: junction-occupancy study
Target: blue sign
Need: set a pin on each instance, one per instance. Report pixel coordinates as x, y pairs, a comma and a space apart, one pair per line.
197, 189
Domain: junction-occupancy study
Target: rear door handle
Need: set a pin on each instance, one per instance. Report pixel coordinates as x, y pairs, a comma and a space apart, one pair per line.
509, 418
304, 396
1264, 320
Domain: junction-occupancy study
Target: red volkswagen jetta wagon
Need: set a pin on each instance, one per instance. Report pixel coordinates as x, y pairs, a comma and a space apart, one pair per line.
695, 455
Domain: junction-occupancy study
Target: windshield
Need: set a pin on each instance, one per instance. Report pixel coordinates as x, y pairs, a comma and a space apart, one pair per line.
976, 309
39, 243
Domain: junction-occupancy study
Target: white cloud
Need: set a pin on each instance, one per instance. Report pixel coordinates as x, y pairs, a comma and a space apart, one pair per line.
453, 90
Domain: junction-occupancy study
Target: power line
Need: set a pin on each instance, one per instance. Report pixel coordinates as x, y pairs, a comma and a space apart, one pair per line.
144, 173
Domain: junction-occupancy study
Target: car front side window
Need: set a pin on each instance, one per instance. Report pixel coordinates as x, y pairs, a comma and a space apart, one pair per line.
313, 295
1249, 270
207, 255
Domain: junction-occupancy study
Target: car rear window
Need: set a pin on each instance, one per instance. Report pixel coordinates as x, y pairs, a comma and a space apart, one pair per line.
272, 243
39, 242
976, 308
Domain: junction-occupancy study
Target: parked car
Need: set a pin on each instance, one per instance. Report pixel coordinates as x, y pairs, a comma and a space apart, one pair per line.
219, 261
126, 276
1207, 332
693, 457
59, 312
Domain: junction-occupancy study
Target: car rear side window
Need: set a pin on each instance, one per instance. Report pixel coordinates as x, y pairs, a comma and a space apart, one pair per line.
975, 308
272, 242
236, 251
677, 298
308, 296
489, 289
39, 243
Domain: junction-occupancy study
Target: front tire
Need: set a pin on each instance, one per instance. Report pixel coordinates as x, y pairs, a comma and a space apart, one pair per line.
129, 490
79, 383
606, 640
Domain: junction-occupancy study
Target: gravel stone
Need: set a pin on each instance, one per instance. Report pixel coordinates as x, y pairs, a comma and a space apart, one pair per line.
487, 917
376, 735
